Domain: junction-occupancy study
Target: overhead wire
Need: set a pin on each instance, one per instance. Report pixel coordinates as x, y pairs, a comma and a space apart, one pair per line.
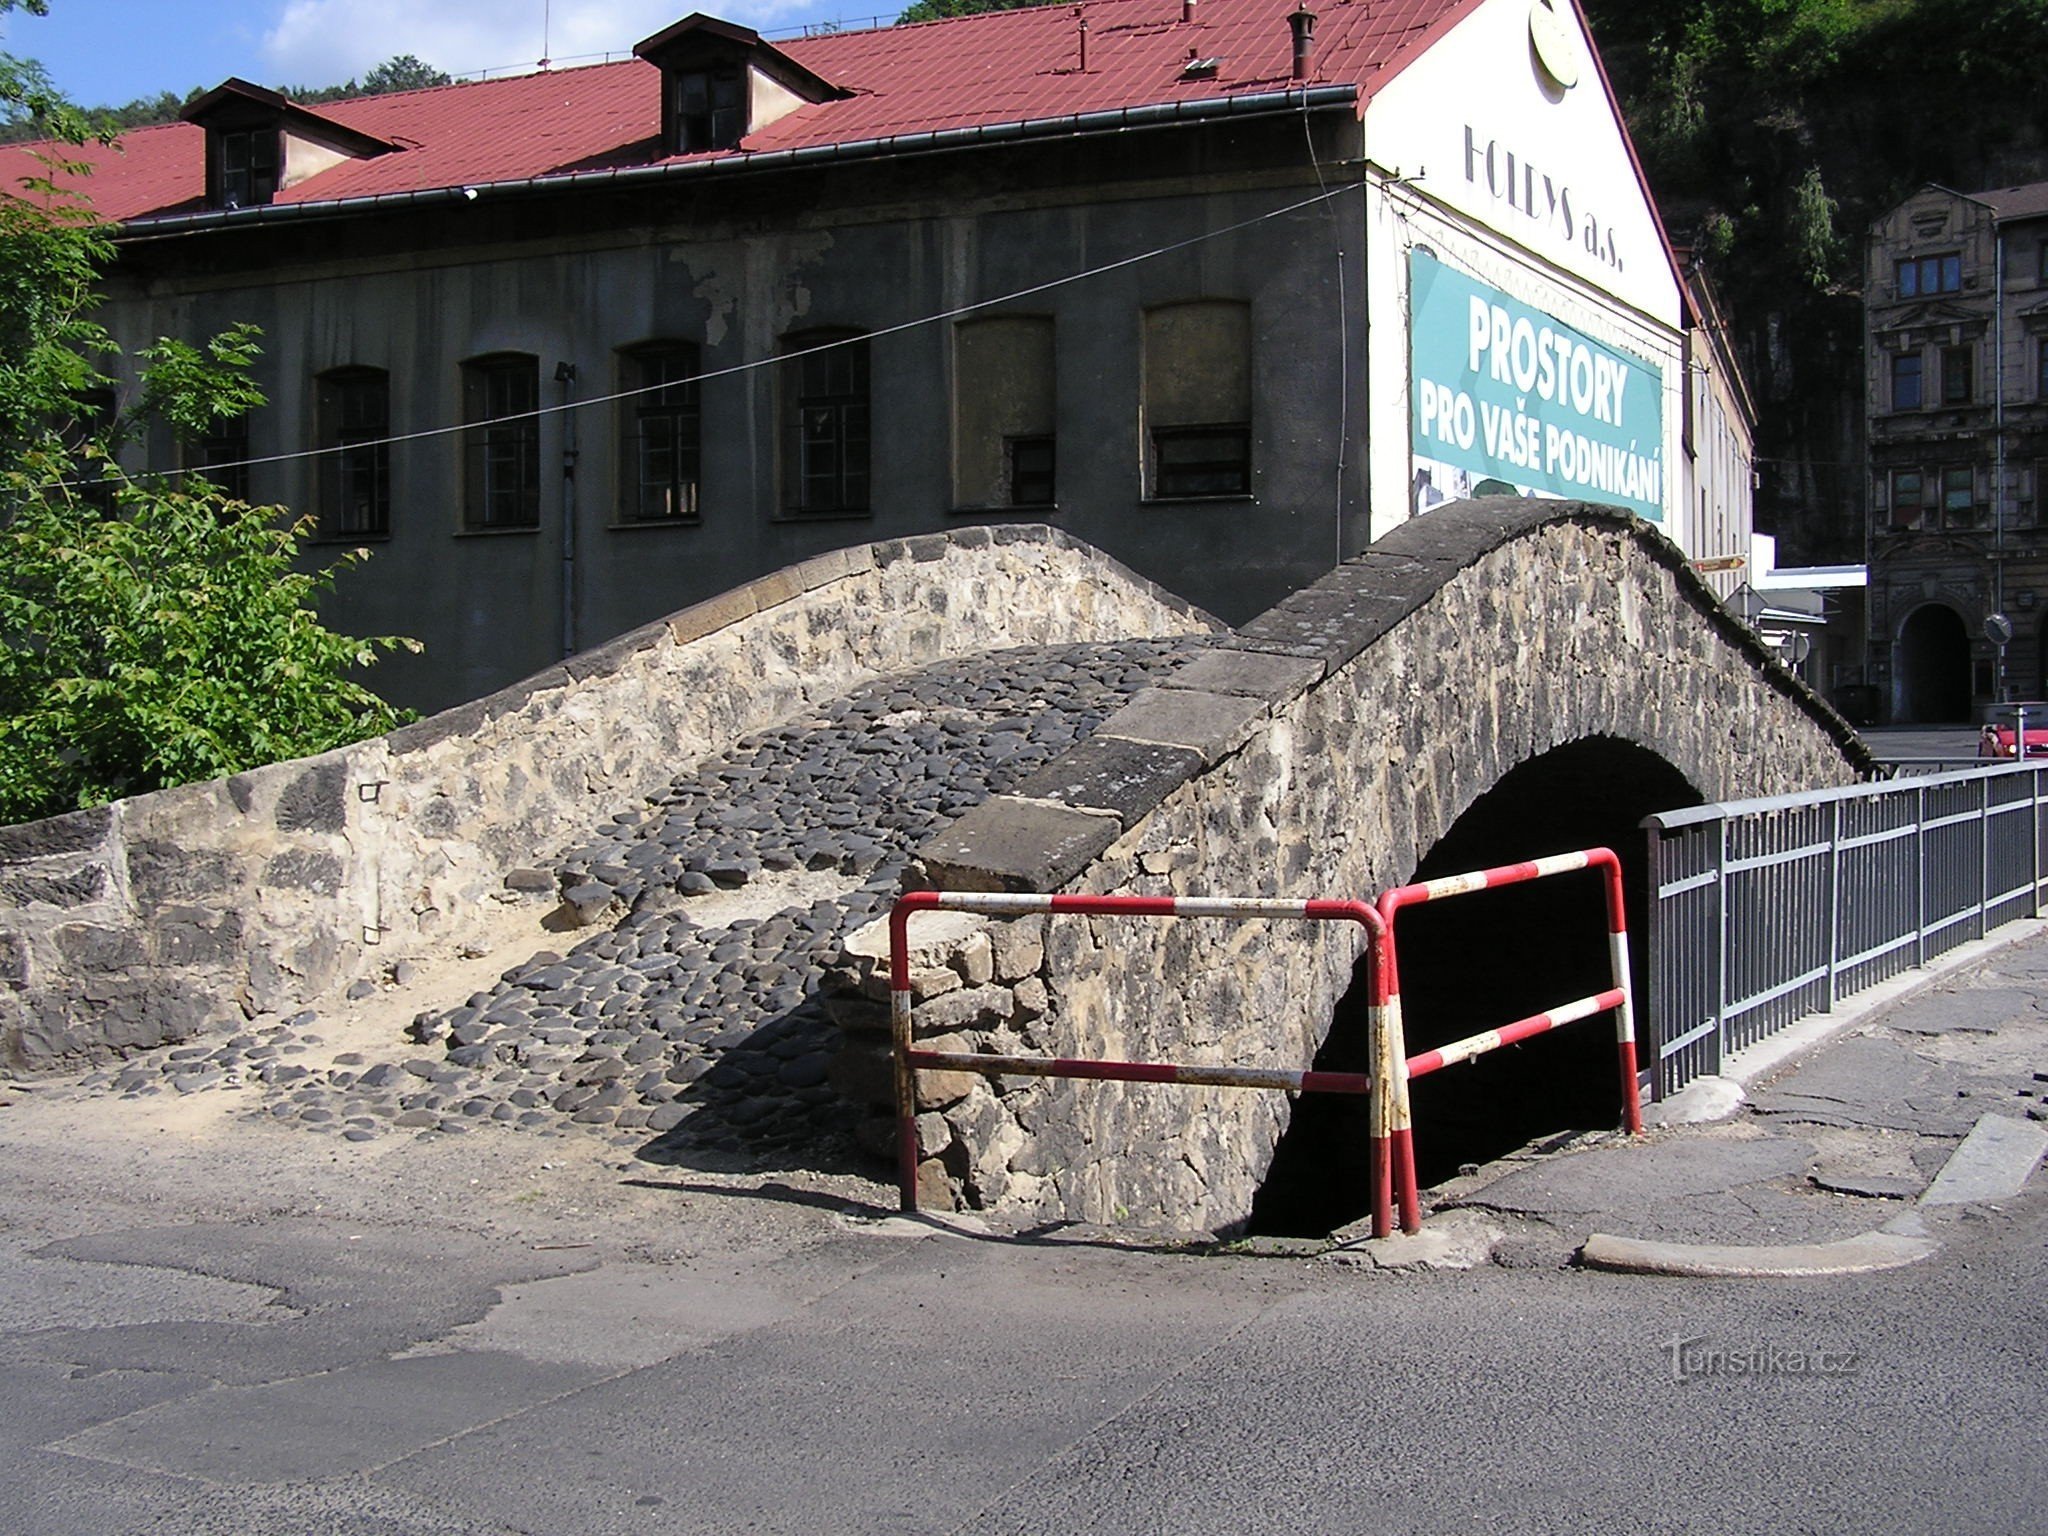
1325, 195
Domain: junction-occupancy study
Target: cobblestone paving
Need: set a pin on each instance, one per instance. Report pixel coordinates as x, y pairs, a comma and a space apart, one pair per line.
706, 1035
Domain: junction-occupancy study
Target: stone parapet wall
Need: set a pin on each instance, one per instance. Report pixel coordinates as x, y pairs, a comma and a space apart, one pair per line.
1322, 751
151, 919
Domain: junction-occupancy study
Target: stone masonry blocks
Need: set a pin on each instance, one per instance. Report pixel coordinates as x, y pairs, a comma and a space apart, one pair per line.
1479, 637
191, 907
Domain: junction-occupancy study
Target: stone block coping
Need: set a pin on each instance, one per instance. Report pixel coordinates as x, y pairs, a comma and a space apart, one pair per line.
1209, 708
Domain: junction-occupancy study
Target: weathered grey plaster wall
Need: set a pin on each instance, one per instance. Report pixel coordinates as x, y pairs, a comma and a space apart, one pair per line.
734, 263
145, 921
1320, 752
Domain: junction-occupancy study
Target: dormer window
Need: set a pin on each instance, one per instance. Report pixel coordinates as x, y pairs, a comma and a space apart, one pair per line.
259, 143
710, 110
248, 167
720, 83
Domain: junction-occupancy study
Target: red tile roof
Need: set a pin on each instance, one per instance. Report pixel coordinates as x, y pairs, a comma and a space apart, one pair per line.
974, 71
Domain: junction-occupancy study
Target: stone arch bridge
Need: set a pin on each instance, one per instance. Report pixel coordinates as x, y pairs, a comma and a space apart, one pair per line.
704, 814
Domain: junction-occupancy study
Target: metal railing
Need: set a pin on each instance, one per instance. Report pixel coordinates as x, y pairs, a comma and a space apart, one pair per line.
1764, 911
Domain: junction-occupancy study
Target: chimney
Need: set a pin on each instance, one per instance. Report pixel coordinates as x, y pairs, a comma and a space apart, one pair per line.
1303, 22
1187, 10
1081, 22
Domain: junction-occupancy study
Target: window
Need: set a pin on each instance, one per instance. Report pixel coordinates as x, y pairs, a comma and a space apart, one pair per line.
1198, 399
353, 406
1031, 470
1003, 412
248, 166
1906, 381
222, 456
709, 109
661, 441
501, 449
1921, 276
91, 424
2041, 367
1957, 364
1959, 497
1909, 498
826, 405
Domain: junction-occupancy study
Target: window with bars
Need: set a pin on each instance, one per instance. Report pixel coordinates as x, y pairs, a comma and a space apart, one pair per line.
661, 449
353, 406
501, 448
826, 405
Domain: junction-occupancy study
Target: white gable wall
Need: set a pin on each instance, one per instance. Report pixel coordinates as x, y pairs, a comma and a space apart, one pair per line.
1527, 188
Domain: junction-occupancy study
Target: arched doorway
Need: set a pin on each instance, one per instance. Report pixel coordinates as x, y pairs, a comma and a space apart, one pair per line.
1934, 667
1485, 960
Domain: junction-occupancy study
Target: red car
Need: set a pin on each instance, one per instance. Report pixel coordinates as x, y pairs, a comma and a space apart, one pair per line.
1997, 741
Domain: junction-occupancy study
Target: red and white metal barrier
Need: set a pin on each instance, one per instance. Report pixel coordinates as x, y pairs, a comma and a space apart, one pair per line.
1394, 1157
910, 1059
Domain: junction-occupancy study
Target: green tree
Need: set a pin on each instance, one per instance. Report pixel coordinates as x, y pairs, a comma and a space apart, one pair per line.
940, 10
153, 631
403, 72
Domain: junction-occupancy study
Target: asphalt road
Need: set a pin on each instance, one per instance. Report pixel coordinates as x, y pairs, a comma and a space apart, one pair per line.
210, 1325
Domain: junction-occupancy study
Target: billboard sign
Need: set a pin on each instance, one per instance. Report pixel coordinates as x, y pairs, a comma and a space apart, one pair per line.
1504, 399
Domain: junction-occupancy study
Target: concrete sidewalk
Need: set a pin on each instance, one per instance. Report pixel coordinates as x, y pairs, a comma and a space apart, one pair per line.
1812, 1151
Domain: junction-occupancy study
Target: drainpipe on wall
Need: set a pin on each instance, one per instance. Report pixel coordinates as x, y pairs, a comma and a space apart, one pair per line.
1998, 439
565, 375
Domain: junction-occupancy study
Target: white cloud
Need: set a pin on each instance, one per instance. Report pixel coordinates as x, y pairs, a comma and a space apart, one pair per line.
319, 41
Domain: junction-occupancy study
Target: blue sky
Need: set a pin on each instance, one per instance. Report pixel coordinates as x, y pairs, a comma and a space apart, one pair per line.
107, 52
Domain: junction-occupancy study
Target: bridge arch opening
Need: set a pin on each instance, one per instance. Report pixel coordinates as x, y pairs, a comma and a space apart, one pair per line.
1934, 666
1482, 961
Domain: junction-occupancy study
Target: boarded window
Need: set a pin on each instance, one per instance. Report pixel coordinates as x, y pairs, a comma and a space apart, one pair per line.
354, 409
1003, 412
501, 449
1198, 399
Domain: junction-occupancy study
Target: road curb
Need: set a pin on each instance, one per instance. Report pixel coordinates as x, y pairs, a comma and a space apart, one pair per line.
1862, 1254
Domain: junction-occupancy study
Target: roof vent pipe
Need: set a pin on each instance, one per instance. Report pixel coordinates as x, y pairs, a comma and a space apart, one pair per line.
1303, 22
1081, 23
1187, 10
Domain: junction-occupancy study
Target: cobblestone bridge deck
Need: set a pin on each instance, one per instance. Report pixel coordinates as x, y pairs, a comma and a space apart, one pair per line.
688, 1013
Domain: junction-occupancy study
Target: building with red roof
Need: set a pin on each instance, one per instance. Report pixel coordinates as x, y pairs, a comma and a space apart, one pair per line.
1224, 287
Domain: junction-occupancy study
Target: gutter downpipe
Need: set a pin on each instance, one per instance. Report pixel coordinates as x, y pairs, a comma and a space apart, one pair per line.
565, 375
1998, 443
1155, 115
